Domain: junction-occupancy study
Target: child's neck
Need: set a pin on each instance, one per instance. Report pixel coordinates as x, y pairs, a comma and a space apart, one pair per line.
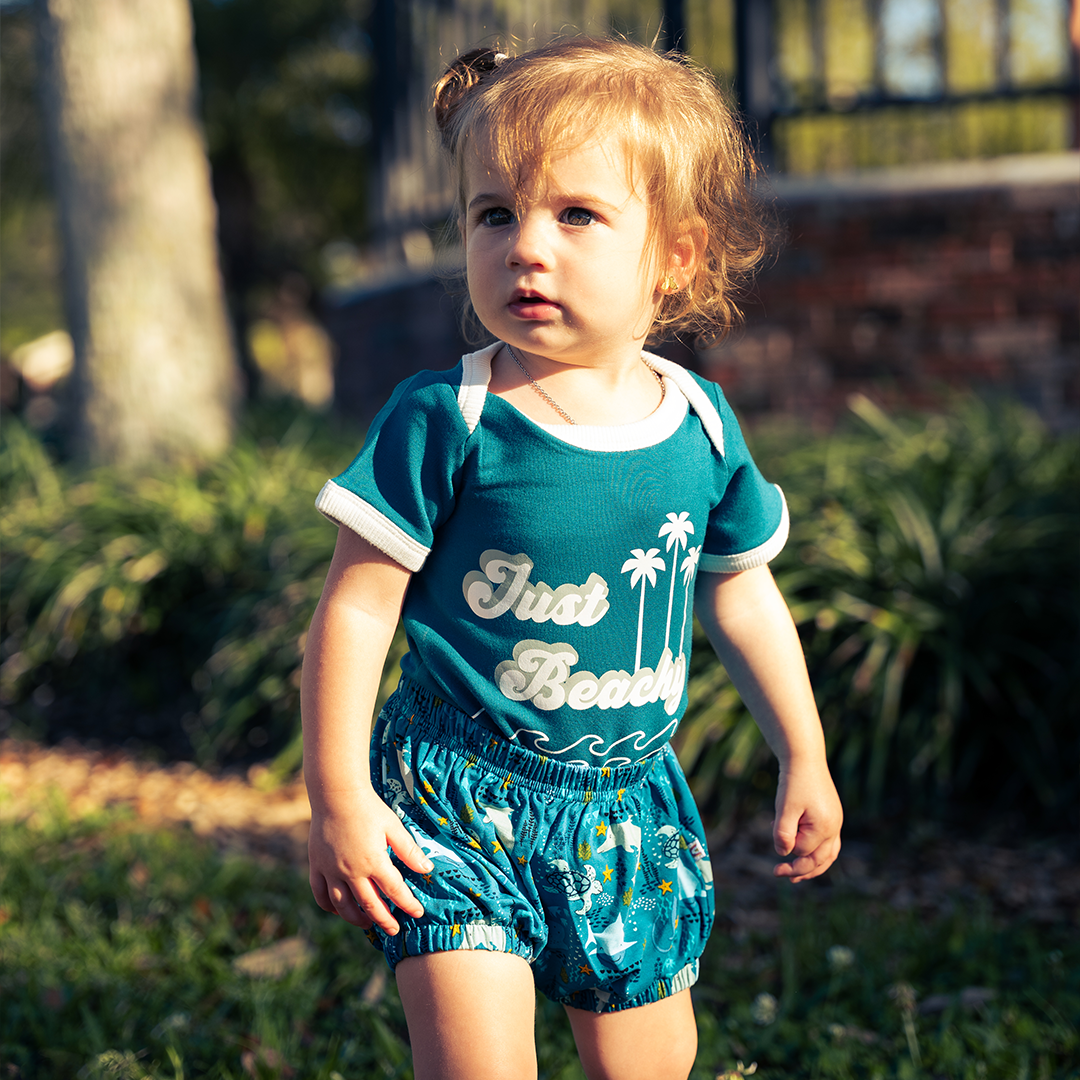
552, 392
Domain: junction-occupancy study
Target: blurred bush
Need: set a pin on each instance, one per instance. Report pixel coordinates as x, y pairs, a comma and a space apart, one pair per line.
932, 572
170, 607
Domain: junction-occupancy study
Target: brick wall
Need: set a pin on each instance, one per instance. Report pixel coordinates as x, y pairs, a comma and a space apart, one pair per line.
909, 283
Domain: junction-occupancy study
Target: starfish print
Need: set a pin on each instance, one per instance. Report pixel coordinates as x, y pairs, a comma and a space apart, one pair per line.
665, 886
607, 873
601, 829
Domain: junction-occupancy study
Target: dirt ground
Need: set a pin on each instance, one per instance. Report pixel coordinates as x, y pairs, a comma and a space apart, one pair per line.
247, 815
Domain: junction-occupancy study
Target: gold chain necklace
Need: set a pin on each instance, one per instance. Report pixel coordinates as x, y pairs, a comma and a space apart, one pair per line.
554, 404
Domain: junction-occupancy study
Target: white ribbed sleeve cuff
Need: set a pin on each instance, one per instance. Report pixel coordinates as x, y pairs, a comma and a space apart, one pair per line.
345, 508
747, 560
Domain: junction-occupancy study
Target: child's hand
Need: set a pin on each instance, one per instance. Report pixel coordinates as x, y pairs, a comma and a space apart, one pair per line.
351, 871
807, 825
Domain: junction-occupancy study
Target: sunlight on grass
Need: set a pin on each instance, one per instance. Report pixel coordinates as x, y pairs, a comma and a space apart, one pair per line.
130, 953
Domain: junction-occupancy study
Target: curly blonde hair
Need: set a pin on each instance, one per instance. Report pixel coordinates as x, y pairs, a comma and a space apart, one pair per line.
680, 139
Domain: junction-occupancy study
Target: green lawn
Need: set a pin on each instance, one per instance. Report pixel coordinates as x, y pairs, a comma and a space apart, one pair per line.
119, 949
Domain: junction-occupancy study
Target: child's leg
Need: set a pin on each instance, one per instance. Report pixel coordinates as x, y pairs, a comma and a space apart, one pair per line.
470, 1015
657, 1041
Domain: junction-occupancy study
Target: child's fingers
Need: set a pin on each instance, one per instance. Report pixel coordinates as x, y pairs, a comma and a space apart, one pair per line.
361, 904
406, 848
795, 835
364, 901
320, 891
786, 832
370, 909
811, 865
808, 838
338, 900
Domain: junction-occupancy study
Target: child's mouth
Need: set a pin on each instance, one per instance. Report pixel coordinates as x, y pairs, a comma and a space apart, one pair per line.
532, 306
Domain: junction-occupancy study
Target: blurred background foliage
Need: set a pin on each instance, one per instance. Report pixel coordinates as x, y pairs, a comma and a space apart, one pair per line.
175, 601
931, 572
285, 105
291, 101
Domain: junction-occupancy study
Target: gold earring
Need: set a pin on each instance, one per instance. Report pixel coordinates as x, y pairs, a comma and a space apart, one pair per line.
669, 284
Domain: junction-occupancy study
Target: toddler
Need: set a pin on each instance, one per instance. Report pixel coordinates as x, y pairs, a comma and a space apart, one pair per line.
545, 517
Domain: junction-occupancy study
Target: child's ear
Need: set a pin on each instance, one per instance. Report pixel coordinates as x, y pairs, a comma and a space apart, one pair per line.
688, 251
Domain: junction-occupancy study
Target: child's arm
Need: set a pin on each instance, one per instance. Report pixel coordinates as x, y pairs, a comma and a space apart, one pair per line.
751, 629
351, 827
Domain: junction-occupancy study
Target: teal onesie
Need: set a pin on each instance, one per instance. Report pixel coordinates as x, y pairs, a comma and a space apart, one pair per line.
549, 622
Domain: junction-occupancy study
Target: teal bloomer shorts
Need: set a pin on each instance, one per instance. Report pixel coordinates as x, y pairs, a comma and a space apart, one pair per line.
599, 878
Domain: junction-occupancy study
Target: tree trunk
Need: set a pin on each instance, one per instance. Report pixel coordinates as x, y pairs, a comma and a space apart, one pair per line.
154, 375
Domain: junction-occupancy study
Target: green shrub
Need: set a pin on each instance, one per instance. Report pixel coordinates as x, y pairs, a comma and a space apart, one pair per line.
932, 570
175, 602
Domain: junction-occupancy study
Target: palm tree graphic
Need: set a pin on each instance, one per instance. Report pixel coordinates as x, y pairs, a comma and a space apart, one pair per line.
689, 565
676, 529
644, 565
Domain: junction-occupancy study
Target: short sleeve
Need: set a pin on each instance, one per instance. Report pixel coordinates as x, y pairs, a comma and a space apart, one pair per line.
749, 526
401, 486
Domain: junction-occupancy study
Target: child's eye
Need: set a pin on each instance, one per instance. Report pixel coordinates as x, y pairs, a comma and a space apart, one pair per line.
577, 215
496, 216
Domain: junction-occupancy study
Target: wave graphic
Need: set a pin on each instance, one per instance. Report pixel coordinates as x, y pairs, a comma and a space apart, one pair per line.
601, 753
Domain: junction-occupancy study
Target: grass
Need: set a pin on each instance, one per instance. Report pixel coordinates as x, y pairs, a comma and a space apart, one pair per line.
119, 950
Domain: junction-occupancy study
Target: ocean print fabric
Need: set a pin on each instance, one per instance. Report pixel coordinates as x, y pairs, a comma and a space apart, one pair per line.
599, 879
553, 583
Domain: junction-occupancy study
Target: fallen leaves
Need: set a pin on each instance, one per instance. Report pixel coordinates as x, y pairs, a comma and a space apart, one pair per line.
238, 813
277, 960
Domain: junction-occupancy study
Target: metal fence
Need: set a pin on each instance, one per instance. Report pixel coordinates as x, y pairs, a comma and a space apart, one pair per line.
803, 59
824, 84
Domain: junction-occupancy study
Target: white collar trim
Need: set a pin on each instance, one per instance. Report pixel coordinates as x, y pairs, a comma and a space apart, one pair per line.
653, 429
659, 425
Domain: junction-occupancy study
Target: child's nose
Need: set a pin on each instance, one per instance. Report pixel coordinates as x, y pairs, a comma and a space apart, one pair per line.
529, 246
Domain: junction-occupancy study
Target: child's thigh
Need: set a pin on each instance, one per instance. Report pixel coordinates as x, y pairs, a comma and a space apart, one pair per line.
470, 1015
657, 1041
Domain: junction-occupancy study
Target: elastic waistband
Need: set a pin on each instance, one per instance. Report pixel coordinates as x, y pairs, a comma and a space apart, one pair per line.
432, 718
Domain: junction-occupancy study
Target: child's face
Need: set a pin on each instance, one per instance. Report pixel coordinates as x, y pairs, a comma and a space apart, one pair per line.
569, 279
